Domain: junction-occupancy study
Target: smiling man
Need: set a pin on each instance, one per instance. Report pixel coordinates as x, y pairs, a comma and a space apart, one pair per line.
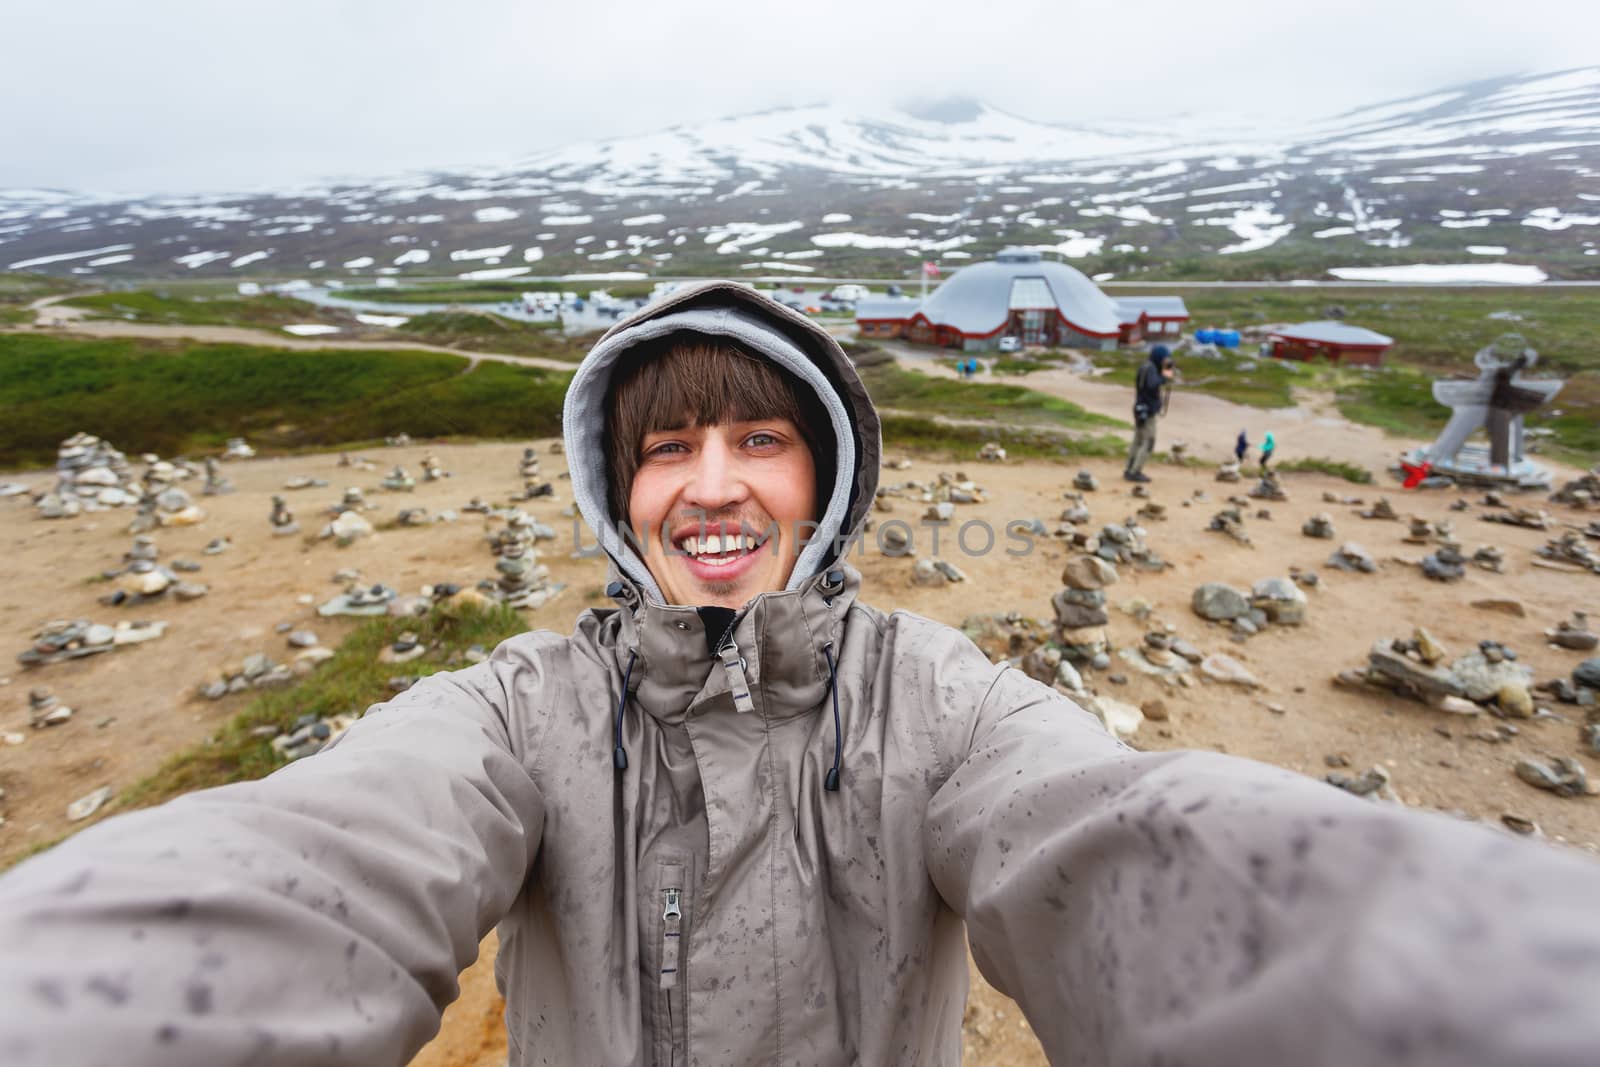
741, 817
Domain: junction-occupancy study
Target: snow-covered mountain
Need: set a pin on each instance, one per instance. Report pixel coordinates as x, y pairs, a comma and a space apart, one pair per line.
1505, 168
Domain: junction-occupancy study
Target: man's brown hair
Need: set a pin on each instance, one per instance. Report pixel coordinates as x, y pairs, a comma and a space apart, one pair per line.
688, 380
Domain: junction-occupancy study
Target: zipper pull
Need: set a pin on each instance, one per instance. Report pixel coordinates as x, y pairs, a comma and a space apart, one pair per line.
738, 684
672, 917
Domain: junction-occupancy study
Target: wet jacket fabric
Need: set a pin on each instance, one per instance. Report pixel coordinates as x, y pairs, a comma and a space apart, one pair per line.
715, 904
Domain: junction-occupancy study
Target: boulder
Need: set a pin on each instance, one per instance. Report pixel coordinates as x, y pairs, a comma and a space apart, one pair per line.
1281, 599
1219, 602
1223, 668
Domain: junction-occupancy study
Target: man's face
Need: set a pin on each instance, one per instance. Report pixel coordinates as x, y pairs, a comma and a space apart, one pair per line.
734, 499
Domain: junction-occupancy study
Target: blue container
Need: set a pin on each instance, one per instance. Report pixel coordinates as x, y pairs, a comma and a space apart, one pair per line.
1207, 336
1227, 338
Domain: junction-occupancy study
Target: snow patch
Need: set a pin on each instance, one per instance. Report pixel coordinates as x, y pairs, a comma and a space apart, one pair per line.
23, 264
1487, 250
359, 263
496, 214
310, 329
1445, 273
415, 255
195, 260
110, 261
387, 321
532, 255
492, 274
835, 218
249, 258
467, 255
643, 220
567, 220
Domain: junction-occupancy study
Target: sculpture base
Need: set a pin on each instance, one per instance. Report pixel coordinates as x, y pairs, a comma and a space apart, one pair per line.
1471, 466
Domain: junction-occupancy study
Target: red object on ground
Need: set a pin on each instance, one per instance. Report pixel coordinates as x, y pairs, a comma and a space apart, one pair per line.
1414, 473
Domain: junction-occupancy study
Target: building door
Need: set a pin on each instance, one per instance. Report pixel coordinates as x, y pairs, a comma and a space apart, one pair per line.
1033, 326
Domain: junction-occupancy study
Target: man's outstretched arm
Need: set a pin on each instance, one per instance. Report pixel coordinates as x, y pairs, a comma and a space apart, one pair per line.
1193, 908
318, 916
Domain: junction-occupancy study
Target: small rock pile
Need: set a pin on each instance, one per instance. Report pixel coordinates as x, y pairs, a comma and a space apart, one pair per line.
144, 580
1447, 564
1570, 550
360, 601
90, 475
1228, 471
1085, 482
1581, 492
398, 481
1270, 601
282, 519
63, 639
1268, 488
1380, 510
309, 735
46, 709
1527, 518
258, 671
238, 449
216, 484
1421, 669
991, 452
1574, 634
1354, 558
1230, 521
1319, 525
431, 471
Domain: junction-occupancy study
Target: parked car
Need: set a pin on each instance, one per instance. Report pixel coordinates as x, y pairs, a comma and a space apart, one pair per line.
1010, 344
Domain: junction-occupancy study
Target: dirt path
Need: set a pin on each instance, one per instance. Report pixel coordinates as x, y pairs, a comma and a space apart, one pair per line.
50, 315
1209, 424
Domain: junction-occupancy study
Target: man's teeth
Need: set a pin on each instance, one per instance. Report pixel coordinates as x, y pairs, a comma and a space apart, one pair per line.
718, 544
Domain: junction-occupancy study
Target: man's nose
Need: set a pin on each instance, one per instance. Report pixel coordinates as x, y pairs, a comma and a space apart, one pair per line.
715, 481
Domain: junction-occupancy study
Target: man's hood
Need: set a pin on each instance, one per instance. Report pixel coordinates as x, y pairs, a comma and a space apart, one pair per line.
762, 327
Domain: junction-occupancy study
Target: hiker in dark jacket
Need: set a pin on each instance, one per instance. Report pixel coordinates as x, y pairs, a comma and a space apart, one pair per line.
1149, 402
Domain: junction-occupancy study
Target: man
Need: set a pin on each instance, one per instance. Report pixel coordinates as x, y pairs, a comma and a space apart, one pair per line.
1149, 403
743, 818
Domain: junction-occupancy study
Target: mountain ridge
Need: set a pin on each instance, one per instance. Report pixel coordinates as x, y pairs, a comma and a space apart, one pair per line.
1508, 163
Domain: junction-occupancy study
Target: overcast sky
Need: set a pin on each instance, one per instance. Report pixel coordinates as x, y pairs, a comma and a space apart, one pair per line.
192, 95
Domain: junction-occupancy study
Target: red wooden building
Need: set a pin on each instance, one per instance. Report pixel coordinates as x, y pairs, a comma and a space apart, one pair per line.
1336, 342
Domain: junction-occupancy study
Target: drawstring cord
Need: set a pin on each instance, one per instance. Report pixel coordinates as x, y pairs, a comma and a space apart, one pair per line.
619, 758
831, 782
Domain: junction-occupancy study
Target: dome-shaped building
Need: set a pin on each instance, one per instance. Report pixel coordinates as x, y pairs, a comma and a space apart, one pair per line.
1017, 294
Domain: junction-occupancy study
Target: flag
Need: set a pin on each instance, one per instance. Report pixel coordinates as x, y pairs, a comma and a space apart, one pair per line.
930, 269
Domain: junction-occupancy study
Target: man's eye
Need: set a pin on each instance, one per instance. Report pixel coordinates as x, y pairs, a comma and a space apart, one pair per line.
761, 440
663, 449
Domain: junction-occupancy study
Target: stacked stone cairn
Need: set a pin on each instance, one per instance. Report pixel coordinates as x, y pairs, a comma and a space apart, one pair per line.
281, 518
1574, 634
1081, 610
1528, 518
520, 581
1490, 558
398, 481
1582, 492
1084, 482
1228, 471
90, 475
1268, 488
46, 709
1381, 510
1446, 564
1319, 526
991, 452
1229, 521
431, 471
237, 449
143, 579
1271, 601
348, 523
216, 484
1570, 550
1354, 558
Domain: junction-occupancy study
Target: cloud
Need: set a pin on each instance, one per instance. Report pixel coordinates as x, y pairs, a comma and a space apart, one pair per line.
184, 95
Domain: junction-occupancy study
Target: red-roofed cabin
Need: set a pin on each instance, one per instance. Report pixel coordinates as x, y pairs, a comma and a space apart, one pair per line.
1336, 342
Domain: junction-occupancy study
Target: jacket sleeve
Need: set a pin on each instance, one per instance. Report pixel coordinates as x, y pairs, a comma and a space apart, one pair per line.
320, 915
1194, 908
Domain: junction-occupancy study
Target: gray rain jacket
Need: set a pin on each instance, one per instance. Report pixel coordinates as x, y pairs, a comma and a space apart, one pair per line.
715, 904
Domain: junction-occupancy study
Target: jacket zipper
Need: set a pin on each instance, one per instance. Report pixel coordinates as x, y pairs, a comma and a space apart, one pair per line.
671, 931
